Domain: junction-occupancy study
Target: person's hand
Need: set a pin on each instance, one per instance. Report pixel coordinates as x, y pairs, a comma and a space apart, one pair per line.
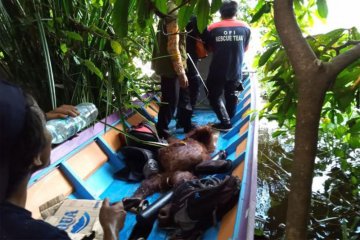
184, 83
112, 218
62, 112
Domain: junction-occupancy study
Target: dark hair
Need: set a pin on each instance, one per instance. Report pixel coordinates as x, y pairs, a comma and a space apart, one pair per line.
228, 9
30, 143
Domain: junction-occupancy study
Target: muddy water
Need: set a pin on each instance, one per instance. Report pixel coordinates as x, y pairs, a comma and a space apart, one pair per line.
335, 212
274, 159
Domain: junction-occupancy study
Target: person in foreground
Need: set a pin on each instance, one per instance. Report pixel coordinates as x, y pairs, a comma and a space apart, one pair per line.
25, 146
228, 40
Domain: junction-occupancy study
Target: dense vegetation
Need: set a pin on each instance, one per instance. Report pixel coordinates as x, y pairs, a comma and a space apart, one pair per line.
68, 52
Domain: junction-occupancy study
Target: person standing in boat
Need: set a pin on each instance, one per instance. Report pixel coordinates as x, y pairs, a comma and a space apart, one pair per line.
192, 93
25, 146
169, 62
228, 40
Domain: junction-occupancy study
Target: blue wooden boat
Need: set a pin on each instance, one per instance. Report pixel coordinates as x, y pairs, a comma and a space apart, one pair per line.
83, 167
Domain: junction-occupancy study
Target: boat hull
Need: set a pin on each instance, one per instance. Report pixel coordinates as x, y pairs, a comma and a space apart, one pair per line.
83, 167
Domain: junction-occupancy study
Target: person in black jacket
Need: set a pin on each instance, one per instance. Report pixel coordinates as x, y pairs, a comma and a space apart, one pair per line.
228, 40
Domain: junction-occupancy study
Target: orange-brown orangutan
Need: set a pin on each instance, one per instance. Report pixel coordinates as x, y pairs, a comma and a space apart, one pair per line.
178, 161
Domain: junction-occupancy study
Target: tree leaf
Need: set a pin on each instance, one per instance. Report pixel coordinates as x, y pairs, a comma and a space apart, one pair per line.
344, 98
161, 6
120, 17
279, 59
74, 36
278, 133
99, 31
274, 95
339, 153
355, 128
185, 14
355, 33
331, 37
143, 12
340, 131
266, 8
91, 66
116, 47
354, 141
63, 47
266, 55
215, 5
284, 107
322, 8
202, 12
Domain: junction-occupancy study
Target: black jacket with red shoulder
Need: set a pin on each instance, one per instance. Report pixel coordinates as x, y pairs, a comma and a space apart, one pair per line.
228, 40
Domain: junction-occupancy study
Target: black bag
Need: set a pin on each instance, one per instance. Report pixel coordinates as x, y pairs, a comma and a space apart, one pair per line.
140, 163
198, 204
143, 132
213, 167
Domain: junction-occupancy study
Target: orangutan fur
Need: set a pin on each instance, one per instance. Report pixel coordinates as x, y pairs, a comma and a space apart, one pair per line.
178, 161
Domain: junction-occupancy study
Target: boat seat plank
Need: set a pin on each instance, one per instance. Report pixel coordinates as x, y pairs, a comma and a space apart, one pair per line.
50, 186
136, 119
151, 111
114, 138
87, 161
154, 105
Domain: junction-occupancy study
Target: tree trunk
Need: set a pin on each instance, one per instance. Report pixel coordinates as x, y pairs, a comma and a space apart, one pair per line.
306, 136
314, 78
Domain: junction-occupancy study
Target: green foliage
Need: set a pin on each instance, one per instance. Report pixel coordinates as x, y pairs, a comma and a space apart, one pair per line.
161, 6
202, 10
144, 11
89, 61
264, 9
120, 17
322, 8
185, 14
215, 5
281, 84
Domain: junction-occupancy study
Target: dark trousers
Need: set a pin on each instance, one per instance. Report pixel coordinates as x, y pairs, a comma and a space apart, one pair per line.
169, 101
194, 80
194, 89
189, 96
216, 88
187, 101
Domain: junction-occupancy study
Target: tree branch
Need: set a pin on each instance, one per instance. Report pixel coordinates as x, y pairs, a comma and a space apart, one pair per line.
343, 60
291, 36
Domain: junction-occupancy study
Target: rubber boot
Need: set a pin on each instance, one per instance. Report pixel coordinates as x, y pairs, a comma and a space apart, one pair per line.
231, 103
220, 111
184, 119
